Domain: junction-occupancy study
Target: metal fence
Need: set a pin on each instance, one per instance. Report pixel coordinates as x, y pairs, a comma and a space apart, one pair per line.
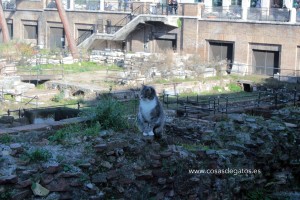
200, 106
230, 12
269, 14
9, 5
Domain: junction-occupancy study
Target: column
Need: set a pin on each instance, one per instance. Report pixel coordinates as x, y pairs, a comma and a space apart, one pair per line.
265, 3
288, 3
245, 7
208, 3
226, 3
72, 5
101, 5
293, 15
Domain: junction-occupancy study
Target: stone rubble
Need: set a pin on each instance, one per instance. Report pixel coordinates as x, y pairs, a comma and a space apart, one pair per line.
129, 166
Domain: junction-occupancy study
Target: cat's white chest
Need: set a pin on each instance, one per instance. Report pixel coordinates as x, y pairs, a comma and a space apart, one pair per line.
146, 107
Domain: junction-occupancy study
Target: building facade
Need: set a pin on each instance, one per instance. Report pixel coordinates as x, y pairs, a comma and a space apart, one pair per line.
260, 34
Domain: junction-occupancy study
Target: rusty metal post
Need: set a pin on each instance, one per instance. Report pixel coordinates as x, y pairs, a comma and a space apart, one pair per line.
3, 25
66, 24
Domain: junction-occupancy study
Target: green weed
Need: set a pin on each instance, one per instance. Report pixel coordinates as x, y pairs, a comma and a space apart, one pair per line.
5, 139
110, 114
37, 155
234, 87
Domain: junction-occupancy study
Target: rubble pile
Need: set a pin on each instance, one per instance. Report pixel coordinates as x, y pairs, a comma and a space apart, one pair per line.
242, 156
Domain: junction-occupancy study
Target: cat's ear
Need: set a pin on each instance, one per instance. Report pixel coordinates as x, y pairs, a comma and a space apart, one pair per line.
152, 90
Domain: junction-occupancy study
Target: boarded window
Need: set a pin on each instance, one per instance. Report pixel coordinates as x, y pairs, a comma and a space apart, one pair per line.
221, 51
265, 62
57, 38
30, 32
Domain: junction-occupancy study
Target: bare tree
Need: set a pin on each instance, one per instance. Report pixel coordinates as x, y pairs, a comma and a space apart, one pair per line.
3, 25
64, 20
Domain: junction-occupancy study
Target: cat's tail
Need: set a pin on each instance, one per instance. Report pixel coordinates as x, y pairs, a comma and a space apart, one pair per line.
158, 131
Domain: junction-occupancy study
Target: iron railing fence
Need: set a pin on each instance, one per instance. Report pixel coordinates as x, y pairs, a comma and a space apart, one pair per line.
298, 15
222, 12
199, 105
85, 35
41, 74
269, 14
125, 6
9, 5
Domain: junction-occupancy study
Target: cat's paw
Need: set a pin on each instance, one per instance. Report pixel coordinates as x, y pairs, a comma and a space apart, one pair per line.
151, 133
145, 134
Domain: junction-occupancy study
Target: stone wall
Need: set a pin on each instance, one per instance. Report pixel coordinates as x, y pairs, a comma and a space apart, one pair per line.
146, 67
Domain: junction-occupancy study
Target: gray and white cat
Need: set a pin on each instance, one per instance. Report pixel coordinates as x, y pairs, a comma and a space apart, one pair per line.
151, 117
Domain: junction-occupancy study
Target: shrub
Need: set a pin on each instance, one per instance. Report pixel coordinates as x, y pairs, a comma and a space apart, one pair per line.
37, 155
110, 113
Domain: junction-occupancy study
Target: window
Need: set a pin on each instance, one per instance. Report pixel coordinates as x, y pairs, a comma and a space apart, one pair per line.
221, 51
30, 32
296, 3
57, 38
255, 3
217, 3
265, 62
236, 2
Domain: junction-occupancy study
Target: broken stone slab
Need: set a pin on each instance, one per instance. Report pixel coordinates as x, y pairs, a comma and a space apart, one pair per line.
99, 178
100, 147
52, 168
11, 179
58, 185
239, 118
6, 120
144, 175
290, 125
21, 195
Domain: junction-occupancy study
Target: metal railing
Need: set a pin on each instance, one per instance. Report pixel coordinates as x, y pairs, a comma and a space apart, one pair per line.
269, 14
298, 15
9, 5
84, 35
41, 74
118, 6
199, 106
230, 12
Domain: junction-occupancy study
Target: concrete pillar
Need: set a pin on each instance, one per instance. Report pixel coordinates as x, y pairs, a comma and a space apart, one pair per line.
72, 5
245, 7
226, 3
208, 3
288, 3
101, 5
265, 3
41, 31
293, 15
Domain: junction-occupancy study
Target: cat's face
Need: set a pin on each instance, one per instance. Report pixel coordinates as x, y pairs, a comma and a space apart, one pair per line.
147, 92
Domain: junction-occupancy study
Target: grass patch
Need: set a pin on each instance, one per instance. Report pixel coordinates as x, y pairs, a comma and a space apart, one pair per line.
234, 87
37, 155
5, 139
110, 113
62, 135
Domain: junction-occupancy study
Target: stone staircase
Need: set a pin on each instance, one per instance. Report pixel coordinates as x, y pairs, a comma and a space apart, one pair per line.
122, 33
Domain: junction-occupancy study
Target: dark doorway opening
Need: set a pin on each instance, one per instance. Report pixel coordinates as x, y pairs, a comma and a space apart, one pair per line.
57, 38
219, 51
265, 62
